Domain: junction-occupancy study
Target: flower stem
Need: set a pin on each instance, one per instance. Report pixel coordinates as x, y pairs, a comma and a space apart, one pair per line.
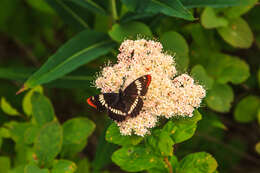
168, 163
113, 10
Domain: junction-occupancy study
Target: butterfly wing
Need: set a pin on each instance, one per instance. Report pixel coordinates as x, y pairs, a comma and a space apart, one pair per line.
109, 102
138, 87
133, 105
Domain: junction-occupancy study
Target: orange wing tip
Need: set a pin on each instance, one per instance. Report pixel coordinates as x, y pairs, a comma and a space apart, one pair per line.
149, 78
90, 103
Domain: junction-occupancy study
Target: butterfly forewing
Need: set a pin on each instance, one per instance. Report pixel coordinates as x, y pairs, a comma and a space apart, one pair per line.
139, 86
124, 104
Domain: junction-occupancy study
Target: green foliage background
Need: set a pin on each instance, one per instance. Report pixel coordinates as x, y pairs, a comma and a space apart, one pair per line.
53, 49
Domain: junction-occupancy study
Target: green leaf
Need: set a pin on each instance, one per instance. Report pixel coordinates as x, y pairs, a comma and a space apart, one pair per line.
247, 108
33, 168
237, 33
48, 142
135, 158
7, 108
258, 116
79, 78
199, 74
17, 130
77, 129
173, 8
113, 135
175, 42
75, 134
5, 164
210, 19
235, 12
226, 68
219, 98
89, 5
31, 134
127, 30
258, 77
40, 5
257, 148
72, 14
27, 105
200, 162
63, 166
212, 3
83, 48
165, 144
42, 109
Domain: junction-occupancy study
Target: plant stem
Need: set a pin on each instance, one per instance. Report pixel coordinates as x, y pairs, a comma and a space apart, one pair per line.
113, 10
168, 163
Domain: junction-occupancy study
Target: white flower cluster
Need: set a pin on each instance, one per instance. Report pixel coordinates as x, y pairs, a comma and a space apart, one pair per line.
167, 95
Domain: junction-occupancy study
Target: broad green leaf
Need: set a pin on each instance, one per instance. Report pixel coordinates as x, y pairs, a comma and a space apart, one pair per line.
4, 132
79, 78
258, 116
199, 74
175, 42
165, 144
210, 19
89, 5
247, 108
200, 162
75, 134
6, 13
76, 130
40, 5
31, 134
257, 148
8, 108
212, 3
173, 8
42, 109
48, 142
63, 166
135, 158
83, 48
113, 135
72, 14
17, 130
5, 164
237, 33
220, 97
27, 105
132, 29
235, 12
33, 168
83, 166
225, 68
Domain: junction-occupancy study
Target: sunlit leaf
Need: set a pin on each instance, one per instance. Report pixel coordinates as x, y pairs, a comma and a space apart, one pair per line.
48, 142
8, 108
210, 19
63, 166
198, 163
113, 135
175, 42
33, 168
199, 73
119, 32
5, 164
220, 97
247, 108
27, 105
237, 33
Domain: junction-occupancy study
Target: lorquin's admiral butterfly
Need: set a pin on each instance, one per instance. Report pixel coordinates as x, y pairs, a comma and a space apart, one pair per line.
127, 103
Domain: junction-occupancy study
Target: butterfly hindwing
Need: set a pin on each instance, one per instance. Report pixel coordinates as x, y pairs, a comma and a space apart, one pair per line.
133, 105
138, 87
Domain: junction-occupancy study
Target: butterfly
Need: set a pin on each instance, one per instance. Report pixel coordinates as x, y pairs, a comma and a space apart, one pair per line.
127, 103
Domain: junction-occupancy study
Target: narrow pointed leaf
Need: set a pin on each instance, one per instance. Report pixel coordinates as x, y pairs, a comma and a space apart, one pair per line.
83, 48
212, 3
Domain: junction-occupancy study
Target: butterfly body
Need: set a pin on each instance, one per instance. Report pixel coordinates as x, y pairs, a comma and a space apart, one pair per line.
127, 103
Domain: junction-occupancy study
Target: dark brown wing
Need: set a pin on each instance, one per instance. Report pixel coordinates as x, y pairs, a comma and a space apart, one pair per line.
133, 105
138, 87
